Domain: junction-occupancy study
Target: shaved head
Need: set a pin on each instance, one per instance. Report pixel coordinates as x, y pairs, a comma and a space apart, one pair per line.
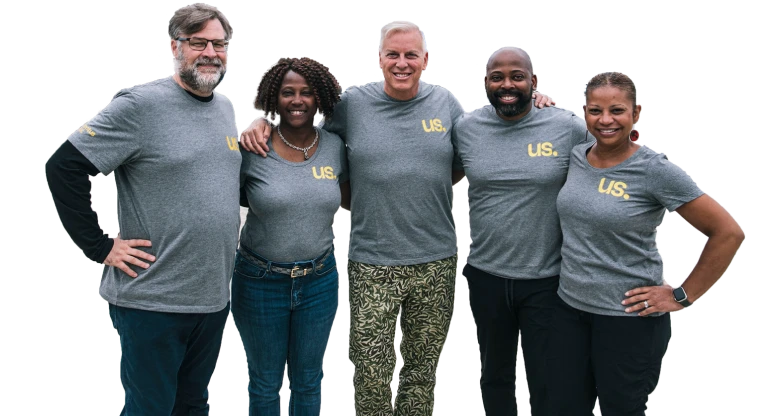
506, 53
510, 83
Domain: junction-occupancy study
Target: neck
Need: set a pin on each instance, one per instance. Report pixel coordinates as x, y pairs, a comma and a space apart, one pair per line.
616, 154
401, 95
298, 136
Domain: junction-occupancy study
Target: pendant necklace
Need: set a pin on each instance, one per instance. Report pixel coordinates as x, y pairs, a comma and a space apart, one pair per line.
301, 149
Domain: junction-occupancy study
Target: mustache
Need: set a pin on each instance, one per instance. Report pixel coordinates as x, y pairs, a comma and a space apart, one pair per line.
500, 92
205, 60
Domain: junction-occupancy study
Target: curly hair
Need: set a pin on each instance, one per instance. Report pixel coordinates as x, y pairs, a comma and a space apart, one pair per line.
614, 79
324, 85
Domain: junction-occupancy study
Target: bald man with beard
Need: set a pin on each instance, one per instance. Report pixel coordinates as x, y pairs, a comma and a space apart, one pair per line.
515, 157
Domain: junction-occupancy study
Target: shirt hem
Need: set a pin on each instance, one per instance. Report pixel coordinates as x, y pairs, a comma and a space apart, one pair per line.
577, 304
166, 308
406, 262
515, 275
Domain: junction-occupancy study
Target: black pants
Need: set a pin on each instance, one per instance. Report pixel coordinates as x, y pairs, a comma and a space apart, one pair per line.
502, 308
614, 358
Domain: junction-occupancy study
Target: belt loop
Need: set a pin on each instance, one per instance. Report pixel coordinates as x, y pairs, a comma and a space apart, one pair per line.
269, 266
314, 263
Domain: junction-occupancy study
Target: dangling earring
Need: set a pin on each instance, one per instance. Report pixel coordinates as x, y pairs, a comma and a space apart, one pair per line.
634, 135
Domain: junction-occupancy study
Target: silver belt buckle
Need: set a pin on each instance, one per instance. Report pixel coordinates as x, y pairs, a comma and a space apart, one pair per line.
298, 272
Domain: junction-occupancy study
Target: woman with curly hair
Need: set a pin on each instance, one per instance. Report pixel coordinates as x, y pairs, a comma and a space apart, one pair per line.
285, 283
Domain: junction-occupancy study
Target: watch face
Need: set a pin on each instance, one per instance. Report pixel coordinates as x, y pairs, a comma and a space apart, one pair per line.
679, 294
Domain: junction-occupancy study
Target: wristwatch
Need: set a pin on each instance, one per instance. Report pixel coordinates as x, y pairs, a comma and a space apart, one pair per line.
681, 297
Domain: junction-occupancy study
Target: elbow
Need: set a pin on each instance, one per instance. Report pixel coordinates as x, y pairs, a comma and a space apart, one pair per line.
738, 235
733, 234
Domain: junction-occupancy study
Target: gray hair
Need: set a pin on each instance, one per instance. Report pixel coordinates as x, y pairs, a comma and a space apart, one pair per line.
193, 18
401, 26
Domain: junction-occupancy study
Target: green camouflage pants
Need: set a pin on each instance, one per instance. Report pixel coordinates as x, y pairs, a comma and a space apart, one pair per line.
376, 294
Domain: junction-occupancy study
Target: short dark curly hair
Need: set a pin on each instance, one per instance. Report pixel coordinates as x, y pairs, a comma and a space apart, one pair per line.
324, 85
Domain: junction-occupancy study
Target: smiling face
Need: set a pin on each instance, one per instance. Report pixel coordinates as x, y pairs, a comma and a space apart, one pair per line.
201, 71
509, 84
610, 115
296, 103
402, 58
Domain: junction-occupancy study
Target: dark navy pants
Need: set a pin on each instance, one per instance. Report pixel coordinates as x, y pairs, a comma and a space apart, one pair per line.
167, 359
504, 308
616, 359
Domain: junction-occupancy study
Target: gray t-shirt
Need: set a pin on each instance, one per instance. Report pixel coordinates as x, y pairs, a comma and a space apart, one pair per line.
292, 204
515, 170
400, 164
609, 219
176, 163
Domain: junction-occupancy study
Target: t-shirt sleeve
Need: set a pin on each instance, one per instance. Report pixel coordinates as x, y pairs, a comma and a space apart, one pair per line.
114, 136
669, 184
337, 123
579, 132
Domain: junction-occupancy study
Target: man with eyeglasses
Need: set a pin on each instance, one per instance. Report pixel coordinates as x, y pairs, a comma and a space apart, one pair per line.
172, 145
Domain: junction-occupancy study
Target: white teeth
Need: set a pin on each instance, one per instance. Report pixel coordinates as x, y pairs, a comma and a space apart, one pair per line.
507, 97
607, 131
401, 75
297, 112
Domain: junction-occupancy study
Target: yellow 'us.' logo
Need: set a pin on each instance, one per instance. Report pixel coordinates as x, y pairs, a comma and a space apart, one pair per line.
614, 188
232, 143
542, 149
434, 125
326, 172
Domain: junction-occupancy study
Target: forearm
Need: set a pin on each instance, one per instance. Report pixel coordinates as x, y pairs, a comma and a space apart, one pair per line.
67, 173
715, 258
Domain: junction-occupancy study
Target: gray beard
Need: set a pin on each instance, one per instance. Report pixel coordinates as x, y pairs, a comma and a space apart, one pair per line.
202, 83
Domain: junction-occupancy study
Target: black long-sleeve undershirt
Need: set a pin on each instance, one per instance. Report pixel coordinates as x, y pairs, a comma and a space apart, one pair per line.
67, 172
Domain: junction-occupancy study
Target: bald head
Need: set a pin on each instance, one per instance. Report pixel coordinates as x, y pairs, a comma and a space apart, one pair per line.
509, 54
510, 82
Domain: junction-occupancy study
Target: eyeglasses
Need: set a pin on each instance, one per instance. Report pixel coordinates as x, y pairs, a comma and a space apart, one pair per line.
199, 44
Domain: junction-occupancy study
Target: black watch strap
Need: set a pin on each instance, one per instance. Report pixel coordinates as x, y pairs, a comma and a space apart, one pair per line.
681, 297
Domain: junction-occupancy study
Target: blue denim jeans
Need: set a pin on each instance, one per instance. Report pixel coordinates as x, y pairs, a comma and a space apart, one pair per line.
284, 320
167, 359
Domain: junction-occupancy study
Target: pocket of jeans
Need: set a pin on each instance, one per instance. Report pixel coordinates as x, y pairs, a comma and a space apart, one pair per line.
245, 268
329, 266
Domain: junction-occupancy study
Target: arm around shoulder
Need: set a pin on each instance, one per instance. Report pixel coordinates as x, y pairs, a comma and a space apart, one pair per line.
254, 138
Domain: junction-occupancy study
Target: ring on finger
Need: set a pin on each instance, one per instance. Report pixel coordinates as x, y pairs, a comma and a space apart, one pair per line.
645, 302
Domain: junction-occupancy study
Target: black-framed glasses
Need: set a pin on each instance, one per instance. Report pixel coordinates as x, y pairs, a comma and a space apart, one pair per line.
199, 44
